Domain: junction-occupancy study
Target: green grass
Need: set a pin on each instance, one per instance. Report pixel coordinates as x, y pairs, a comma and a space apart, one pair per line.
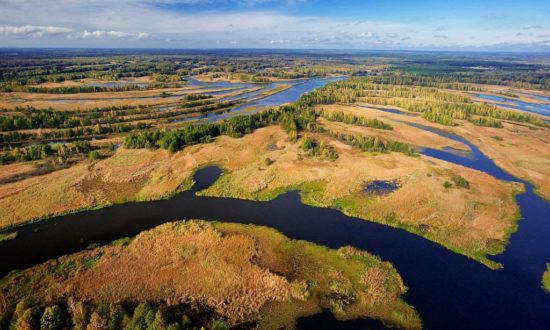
546, 279
121, 241
8, 236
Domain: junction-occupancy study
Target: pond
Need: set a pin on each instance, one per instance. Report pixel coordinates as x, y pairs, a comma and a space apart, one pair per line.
381, 187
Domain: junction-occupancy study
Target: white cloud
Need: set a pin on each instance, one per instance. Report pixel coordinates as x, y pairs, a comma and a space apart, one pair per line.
532, 27
112, 34
33, 31
365, 35
148, 23
280, 41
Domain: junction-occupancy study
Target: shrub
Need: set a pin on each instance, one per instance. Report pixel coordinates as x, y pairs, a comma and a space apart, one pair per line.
461, 182
54, 318
94, 155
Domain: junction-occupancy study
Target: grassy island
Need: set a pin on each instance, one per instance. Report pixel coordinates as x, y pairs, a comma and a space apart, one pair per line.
215, 275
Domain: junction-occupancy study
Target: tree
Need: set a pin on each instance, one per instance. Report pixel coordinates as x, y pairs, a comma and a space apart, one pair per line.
29, 320
97, 322
143, 318
53, 318
94, 155
173, 146
160, 322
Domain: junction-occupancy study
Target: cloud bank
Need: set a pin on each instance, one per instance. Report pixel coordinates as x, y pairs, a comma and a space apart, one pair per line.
178, 23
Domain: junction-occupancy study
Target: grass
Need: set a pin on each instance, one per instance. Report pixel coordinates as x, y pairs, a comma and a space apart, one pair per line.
475, 222
466, 220
243, 273
8, 236
546, 279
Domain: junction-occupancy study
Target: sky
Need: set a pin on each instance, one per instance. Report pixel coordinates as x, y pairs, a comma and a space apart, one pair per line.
305, 24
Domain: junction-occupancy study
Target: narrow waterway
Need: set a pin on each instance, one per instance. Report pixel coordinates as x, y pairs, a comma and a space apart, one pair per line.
538, 108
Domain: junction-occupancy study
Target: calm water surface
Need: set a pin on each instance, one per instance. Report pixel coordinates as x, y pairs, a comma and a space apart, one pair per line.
541, 109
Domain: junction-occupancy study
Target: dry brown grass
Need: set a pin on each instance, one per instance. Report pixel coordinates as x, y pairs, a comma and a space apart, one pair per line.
40, 196
401, 131
474, 221
85, 101
241, 272
523, 151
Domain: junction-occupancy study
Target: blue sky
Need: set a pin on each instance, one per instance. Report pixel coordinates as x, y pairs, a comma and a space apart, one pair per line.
353, 24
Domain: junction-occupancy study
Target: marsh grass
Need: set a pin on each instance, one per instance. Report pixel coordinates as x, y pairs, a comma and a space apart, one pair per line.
546, 279
243, 273
8, 236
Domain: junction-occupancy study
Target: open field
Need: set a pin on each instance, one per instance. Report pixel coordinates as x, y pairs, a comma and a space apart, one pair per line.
243, 274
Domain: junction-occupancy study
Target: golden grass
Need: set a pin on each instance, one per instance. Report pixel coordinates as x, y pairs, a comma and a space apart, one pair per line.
40, 196
475, 221
85, 101
401, 131
521, 150
244, 273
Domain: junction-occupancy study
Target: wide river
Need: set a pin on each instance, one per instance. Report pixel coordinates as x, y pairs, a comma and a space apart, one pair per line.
449, 290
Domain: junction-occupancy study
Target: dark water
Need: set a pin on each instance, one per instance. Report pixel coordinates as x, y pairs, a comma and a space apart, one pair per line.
381, 187
449, 291
541, 109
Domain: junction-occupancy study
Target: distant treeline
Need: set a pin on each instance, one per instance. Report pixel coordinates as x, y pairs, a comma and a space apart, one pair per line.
42, 151
71, 133
13, 87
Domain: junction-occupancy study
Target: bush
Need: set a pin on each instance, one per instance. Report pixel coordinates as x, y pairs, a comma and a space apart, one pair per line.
54, 318
143, 318
94, 155
461, 182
